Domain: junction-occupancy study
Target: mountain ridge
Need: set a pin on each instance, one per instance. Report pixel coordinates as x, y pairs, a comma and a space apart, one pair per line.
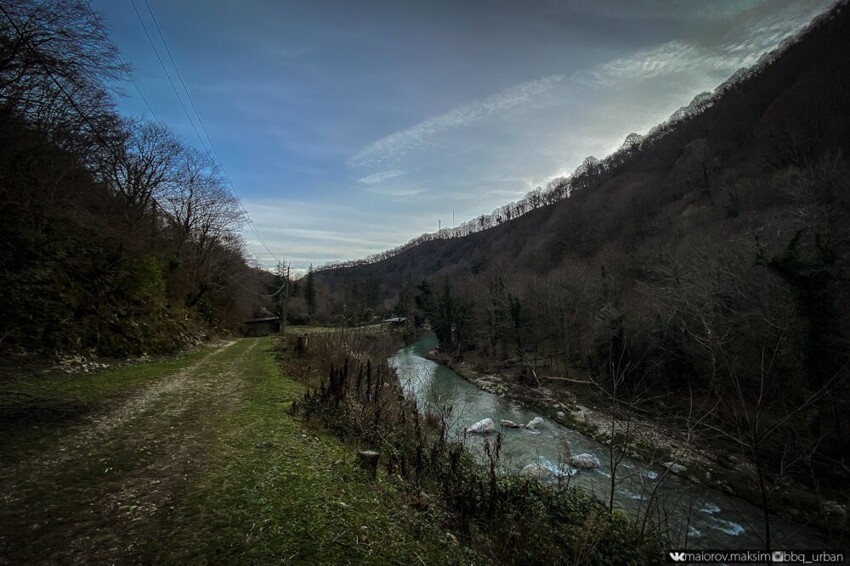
562, 188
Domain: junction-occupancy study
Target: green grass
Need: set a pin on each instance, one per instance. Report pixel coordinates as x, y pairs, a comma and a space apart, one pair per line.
277, 490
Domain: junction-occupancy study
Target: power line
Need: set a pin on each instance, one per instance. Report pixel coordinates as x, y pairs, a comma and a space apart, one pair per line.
97, 133
61, 88
266, 295
180, 78
168, 76
212, 150
99, 24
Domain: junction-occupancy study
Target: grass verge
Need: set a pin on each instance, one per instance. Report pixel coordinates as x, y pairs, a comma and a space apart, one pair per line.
277, 490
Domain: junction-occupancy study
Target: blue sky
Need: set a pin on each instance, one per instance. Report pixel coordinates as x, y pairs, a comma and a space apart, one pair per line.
351, 127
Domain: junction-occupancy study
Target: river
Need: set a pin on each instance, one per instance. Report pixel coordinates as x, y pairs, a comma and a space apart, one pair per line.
692, 515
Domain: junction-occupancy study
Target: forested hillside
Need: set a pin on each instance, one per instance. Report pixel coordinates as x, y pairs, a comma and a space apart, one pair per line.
702, 266
116, 236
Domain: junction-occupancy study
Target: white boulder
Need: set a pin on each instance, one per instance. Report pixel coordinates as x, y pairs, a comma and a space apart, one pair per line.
674, 467
584, 461
535, 423
484, 426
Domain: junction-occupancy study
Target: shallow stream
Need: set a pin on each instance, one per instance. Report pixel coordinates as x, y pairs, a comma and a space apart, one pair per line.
693, 515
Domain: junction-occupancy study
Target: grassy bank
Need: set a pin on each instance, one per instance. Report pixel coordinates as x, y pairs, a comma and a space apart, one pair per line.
277, 490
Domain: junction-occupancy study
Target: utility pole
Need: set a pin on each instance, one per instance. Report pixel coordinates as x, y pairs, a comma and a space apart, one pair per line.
284, 295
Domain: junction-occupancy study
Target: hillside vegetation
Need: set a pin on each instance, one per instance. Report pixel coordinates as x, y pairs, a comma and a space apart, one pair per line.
699, 273
116, 237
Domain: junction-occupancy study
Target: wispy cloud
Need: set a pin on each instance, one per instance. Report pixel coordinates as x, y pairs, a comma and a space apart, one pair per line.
684, 57
667, 59
298, 231
766, 36
328, 236
380, 177
645, 64
392, 147
395, 192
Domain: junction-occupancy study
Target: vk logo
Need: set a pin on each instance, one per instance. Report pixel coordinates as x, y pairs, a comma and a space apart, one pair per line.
678, 556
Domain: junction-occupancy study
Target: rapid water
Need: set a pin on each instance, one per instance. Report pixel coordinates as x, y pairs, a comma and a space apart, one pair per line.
692, 515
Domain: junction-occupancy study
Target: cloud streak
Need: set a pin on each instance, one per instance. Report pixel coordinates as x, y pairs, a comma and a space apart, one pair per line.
394, 146
380, 177
684, 57
666, 59
395, 192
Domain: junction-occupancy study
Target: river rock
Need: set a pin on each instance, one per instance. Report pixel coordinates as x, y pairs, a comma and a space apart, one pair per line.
834, 509
535, 423
484, 426
509, 424
535, 471
674, 467
561, 414
584, 461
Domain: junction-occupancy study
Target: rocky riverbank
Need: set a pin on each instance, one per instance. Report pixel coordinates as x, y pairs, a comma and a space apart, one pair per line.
686, 453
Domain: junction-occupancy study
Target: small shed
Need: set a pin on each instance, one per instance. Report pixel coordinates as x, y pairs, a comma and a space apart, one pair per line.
264, 323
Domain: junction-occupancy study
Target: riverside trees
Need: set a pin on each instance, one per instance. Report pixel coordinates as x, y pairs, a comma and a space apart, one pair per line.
114, 232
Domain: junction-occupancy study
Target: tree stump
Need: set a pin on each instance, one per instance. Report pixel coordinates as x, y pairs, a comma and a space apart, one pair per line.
368, 460
301, 344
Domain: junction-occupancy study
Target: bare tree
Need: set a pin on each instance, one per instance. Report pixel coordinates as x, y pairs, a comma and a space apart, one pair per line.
145, 167
204, 217
194, 178
54, 61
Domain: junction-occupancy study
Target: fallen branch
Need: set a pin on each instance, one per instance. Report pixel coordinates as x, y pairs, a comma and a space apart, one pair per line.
568, 379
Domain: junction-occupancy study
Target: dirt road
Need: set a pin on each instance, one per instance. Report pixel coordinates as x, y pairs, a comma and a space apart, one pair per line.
107, 483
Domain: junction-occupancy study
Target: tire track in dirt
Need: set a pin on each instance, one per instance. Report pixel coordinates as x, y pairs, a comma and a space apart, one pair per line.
110, 484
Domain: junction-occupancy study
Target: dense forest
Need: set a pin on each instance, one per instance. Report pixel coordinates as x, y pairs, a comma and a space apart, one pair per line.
116, 237
699, 270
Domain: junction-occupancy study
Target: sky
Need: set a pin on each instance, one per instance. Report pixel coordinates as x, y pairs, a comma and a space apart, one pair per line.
348, 128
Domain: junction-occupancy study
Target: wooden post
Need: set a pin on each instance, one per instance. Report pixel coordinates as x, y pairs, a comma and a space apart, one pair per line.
368, 460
